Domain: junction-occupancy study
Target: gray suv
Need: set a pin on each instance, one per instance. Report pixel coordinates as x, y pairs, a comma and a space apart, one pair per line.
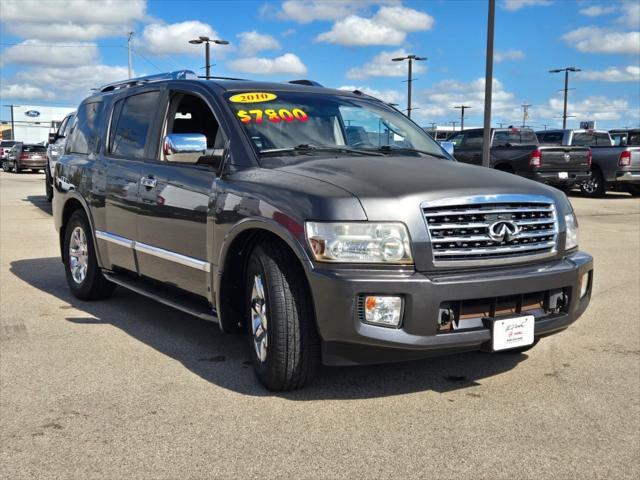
323, 224
55, 148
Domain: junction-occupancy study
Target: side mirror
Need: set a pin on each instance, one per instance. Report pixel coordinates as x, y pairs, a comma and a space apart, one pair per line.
184, 147
53, 137
447, 146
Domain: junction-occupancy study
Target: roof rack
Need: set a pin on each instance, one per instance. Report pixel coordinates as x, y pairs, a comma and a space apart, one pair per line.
308, 83
211, 77
177, 75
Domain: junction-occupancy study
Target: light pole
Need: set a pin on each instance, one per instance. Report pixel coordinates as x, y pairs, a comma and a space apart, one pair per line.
488, 84
566, 71
411, 58
462, 109
129, 51
207, 41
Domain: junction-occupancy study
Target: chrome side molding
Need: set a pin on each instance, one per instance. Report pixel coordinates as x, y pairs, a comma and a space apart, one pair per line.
155, 251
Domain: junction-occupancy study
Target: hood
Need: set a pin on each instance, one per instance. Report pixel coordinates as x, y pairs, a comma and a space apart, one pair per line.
385, 183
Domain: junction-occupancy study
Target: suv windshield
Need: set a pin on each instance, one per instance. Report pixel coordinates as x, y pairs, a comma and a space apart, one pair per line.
281, 122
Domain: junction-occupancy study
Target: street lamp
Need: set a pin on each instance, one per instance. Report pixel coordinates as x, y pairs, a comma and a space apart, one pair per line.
462, 109
207, 41
411, 58
566, 71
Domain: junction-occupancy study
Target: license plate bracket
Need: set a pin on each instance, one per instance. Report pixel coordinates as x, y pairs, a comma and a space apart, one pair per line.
510, 332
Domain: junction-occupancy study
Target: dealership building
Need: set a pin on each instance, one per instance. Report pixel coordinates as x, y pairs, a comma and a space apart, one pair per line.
33, 123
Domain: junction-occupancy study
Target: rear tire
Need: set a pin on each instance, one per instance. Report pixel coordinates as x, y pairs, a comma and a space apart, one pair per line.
596, 186
285, 347
81, 268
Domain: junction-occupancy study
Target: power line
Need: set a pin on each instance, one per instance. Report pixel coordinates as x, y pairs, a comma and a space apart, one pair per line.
79, 45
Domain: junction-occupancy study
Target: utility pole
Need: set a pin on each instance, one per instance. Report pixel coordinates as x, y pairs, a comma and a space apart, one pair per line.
488, 84
566, 71
207, 41
129, 51
411, 58
434, 125
462, 109
453, 122
525, 113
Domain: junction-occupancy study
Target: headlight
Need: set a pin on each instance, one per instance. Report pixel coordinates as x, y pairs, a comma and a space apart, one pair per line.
360, 242
572, 231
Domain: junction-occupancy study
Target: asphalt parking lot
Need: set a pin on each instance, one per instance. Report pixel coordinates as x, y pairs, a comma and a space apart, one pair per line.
127, 388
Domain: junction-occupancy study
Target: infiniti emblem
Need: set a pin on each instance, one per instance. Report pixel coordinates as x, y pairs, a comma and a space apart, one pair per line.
503, 231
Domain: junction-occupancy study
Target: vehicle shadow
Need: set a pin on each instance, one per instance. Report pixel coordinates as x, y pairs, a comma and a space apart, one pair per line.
224, 359
40, 201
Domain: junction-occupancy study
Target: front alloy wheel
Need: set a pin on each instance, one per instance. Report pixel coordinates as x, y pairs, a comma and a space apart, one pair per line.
78, 255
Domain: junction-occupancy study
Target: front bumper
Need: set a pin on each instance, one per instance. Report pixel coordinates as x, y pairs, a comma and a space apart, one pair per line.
349, 341
553, 178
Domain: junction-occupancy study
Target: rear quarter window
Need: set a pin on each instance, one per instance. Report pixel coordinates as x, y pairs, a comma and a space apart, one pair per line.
85, 135
129, 131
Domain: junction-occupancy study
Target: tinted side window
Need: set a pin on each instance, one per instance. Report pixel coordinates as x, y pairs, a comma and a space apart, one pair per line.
457, 139
85, 137
473, 140
131, 128
67, 127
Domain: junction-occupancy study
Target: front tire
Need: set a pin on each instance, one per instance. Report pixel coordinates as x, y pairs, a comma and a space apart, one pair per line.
81, 268
596, 186
285, 347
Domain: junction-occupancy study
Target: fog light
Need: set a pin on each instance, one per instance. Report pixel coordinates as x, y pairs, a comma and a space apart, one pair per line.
584, 284
383, 310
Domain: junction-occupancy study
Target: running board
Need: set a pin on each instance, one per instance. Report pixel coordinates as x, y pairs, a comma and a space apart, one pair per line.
164, 296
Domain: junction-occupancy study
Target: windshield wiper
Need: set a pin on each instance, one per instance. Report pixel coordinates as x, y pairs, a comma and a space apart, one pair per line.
390, 149
306, 147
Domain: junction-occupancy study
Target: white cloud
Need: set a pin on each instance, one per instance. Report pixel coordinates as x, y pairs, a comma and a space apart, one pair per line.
24, 92
598, 10
71, 19
438, 101
601, 40
284, 64
513, 5
595, 107
631, 14
404, 19
382, 66
71, 83
501, 56
389, 26
358, 31
389, 96
630, 73
253, 42
306, 11
34, 52
173, 38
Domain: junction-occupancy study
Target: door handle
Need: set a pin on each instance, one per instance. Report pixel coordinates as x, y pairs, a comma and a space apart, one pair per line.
148, 182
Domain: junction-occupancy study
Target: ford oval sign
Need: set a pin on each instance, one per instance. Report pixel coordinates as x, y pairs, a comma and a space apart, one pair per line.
32, 113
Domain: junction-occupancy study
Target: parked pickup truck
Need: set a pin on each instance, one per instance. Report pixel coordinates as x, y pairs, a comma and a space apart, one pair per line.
55, 148
516, 150
612, 168
323, 223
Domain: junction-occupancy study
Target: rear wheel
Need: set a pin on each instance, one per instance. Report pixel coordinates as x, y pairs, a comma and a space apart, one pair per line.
285, 347
596, 186
81, 268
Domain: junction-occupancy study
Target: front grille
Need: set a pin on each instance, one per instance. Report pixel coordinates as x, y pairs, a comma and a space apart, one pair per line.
460, 234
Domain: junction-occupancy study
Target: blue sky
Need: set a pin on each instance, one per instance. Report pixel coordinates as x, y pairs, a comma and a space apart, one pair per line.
53, 52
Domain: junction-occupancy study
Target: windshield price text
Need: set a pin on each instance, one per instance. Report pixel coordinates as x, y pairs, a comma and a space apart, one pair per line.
272, 115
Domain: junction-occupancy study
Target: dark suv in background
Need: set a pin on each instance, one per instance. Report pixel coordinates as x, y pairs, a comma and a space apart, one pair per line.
324, 224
